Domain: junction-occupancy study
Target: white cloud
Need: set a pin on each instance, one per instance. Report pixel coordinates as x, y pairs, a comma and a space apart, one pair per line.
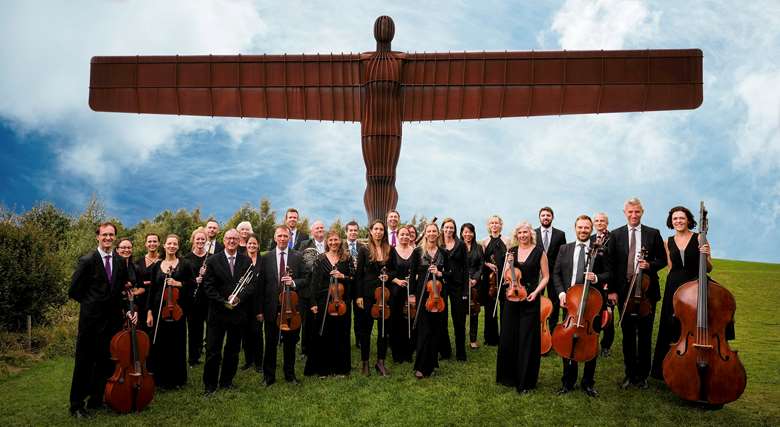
758, 140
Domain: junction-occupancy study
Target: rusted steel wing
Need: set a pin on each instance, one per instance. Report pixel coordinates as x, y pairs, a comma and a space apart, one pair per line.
307, 87
476, 85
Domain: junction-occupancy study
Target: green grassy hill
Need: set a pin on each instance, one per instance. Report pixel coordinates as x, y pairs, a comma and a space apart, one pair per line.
460, 393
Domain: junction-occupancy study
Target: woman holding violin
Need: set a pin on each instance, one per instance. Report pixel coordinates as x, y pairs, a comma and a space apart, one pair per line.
402, 299
252, 338
427, 274
474, 257
166, 317
682, 251
524, 278
457, 277
198, 309
373, 283
330, 287
494, 252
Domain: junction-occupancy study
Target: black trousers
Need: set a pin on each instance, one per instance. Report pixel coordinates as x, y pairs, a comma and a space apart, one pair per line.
308, 328
365, 341
215, 336
608, 334
637, 337
93, 366
555, 315
570, 373
457, 308
289, 340
491, 323
357, 321
252, 342
196, 321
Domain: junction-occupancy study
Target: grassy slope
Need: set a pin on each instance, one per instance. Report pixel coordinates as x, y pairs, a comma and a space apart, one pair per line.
459, 393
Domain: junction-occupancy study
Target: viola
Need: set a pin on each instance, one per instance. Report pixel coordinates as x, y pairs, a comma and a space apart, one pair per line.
545, 309
171, 310
575, 338
434, 302
492, 280
701, 366
288, 319
381, 309
637, 303
131, 386
474, 306
515, 290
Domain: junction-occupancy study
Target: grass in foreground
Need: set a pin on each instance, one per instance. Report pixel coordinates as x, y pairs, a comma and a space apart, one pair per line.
459, 393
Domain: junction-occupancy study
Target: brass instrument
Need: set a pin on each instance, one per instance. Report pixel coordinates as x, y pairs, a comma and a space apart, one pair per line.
242, 282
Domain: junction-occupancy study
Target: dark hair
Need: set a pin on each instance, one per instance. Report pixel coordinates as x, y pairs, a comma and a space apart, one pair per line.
353, 222
688, 214
253, 236
105, 224
123, 239
470, 226
151, 234
291, 210
212, 220
548, 209
384, 245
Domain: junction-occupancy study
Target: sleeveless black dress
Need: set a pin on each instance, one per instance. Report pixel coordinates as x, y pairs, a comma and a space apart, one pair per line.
685, 267
518, 359
401, 344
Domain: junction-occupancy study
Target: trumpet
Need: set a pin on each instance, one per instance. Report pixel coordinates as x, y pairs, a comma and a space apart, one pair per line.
242, 282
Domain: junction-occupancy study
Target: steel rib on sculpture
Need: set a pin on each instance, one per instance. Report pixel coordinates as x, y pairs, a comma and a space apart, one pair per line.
384, 88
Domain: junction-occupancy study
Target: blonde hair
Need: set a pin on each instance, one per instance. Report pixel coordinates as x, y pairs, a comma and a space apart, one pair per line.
500, 221
424, 241
198, 230
243, 224
523, 224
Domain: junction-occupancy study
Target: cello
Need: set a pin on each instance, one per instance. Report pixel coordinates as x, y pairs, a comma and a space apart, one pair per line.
131, 387
701, 366
545, 309
575, 338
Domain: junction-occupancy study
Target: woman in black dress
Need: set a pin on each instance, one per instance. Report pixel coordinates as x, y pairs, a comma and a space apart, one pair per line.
400, 260
456, 278
169, 350
252, 338
682, 251
369, 276
143, 272
494, 247
331, 353
198, 309
474, 257
518, 359
428, 260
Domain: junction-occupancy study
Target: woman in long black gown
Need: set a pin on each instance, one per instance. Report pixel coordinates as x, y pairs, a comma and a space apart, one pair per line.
456, 279
143, 273
331, 353
169, 351
494, 252
400, 259
474, 257
428, 260
368, 277
518, 359
683, 267
198, 309
252, 336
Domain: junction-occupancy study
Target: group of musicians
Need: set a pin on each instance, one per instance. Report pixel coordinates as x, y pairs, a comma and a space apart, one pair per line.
403, 284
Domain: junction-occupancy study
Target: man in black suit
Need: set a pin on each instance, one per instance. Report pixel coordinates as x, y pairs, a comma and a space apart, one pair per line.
297, 237
354, 247
601, 229
550, 239
393, 221
212, 245
273, 278
570, 270
97, 285
226, 317
625, 246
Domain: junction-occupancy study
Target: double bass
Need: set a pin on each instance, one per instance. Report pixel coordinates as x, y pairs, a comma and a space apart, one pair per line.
575, 338
545, 310
131, 387
701, 366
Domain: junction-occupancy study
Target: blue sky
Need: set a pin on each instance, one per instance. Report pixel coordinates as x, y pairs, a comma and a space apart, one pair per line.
726, 153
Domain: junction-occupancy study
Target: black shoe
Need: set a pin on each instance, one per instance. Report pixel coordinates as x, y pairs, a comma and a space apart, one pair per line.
209, 392
95, 406
563, 390
605, 352
292, 380
268, 382
80, 413
590, 391
642, 384
246, 366
194, 363
626, 383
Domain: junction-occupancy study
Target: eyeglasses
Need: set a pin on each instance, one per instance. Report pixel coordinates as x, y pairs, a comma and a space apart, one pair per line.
126, 248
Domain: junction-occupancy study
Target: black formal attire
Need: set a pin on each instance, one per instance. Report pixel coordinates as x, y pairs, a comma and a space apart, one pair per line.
308, 329
556, 239
495, 250
168, 356
143, 274
330, 353
100, 317
197, 311
474, 263
429, 325
518, 358
637, 331
685, 267
268, 306
296, 240
367, 277
252, 339
572, 262
608, 331
224, 325
401, 343
456, 280
356, 313
214, 248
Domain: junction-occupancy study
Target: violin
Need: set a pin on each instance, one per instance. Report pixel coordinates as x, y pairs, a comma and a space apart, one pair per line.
474, 306
335, 301
434, 303
545, 309
515, 290
171, 310
701, 366
381, 309
575, 338
637, 303
492, 280
288, 319
131, 386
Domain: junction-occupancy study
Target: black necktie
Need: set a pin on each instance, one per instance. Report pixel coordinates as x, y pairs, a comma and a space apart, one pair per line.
631, 254
579, 276
232, 262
